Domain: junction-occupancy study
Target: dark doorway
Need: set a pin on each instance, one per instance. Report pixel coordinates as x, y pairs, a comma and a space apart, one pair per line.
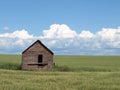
40, 58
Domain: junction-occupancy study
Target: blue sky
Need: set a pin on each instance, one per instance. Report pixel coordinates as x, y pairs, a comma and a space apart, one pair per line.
32, 17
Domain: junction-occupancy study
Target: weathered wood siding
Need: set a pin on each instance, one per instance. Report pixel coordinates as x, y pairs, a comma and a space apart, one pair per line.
30, 58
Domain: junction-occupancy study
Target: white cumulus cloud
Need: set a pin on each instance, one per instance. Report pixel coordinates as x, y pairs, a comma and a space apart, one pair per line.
86, 34
21, 34
59, 31
63, 40
15, 42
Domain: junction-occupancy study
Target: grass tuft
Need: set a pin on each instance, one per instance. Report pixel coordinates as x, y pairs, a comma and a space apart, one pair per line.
10, 66
63, 68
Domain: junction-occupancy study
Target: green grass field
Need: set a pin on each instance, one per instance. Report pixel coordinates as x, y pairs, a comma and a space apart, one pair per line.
70, 73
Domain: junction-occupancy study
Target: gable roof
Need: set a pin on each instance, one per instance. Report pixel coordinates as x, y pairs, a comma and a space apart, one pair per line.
40, 44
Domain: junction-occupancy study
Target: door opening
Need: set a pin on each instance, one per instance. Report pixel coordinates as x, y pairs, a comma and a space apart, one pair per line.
40, 59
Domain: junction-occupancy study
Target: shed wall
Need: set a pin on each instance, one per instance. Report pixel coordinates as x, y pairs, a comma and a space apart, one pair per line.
30, 58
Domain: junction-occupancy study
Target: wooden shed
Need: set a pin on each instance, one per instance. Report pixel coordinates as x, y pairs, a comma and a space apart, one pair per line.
37, 57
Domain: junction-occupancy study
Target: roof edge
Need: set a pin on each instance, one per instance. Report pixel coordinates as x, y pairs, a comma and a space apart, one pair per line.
41, 44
